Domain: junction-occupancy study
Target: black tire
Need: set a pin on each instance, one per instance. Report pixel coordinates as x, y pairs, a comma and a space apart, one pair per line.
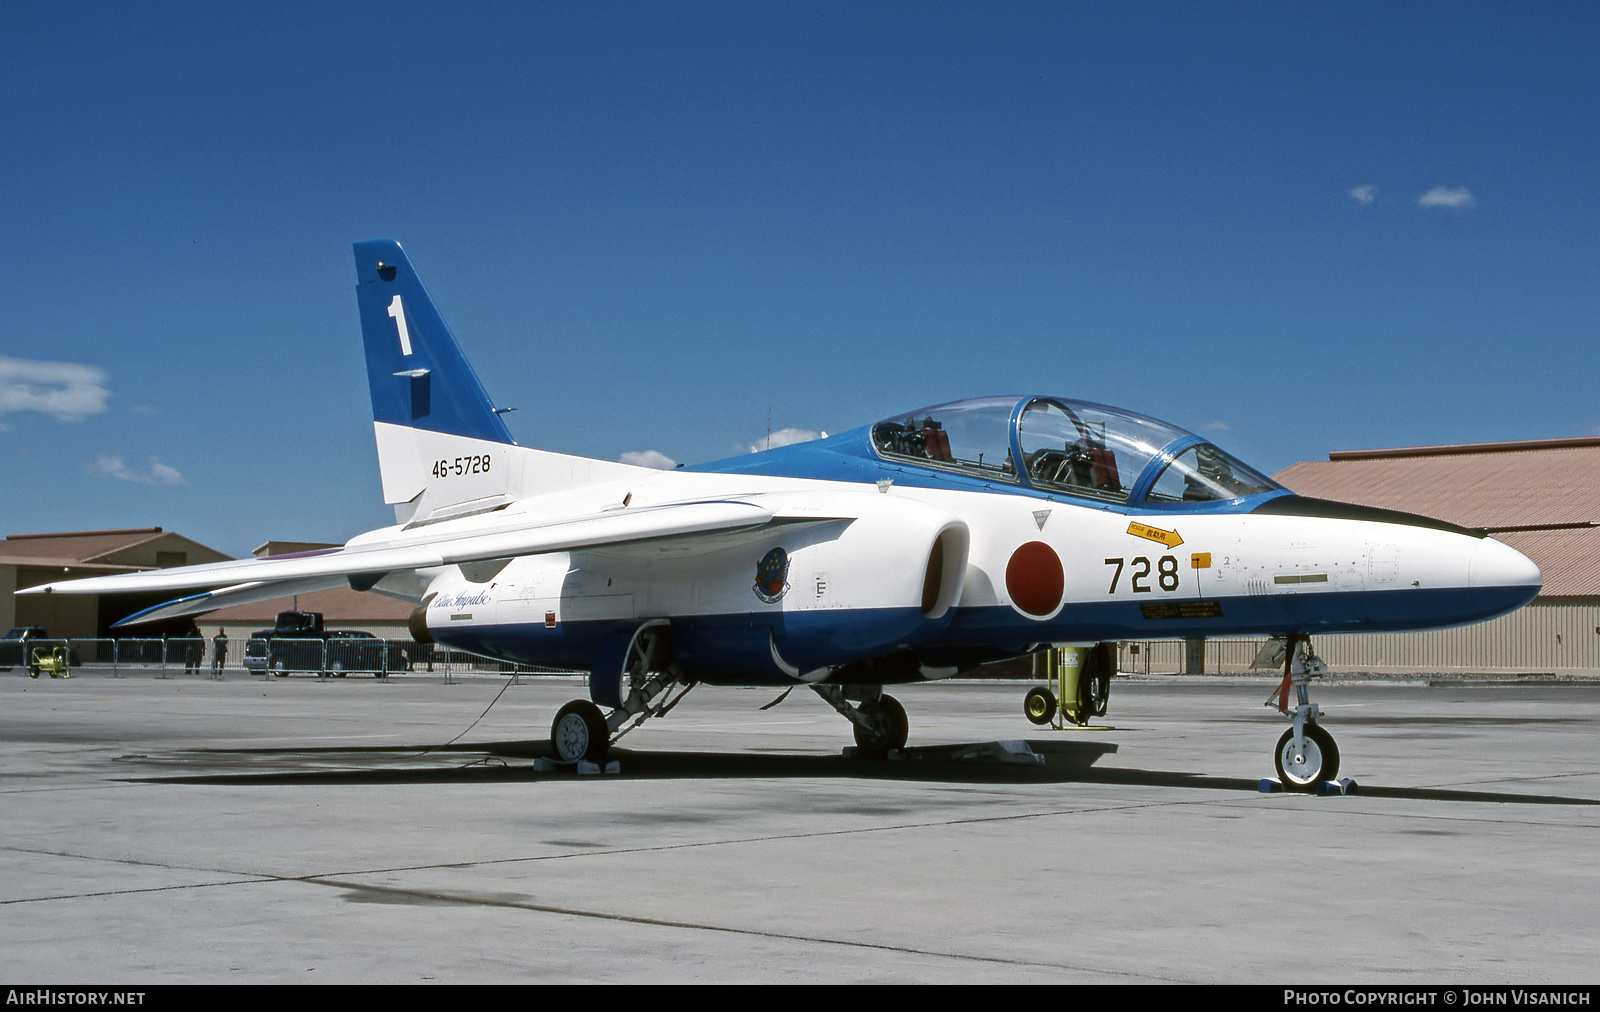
896, 727
1094, 682
1320, 762
1039, 705
1093, 690
579, 732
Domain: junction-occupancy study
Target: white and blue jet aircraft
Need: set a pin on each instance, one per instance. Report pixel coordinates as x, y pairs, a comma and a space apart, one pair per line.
914, 548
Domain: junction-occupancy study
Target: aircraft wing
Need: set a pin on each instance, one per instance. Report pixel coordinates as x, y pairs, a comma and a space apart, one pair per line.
329, 567
227, 597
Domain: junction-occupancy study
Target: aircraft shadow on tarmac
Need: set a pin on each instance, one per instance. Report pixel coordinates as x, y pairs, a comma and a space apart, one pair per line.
511, 761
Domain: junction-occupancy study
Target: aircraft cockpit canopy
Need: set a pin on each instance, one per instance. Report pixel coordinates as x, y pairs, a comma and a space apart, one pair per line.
1071, 447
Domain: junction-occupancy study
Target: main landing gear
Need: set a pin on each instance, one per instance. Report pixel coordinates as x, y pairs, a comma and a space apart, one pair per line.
1306, 754
582, 732
879, 720
654, 683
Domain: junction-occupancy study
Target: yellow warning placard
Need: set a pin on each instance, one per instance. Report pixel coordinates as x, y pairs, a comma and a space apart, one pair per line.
1156, 534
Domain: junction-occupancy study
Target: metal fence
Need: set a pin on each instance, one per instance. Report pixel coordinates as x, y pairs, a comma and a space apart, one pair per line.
279, 656
1558, 636
1214, 657
365, 656
1534, 639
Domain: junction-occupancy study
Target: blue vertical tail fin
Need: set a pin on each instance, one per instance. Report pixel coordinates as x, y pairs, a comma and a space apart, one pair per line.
418, 376
443, 450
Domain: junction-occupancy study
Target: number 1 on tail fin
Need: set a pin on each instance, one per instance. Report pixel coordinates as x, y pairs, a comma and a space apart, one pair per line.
398, 311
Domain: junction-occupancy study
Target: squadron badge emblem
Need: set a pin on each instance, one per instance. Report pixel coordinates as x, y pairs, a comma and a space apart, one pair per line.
772, 576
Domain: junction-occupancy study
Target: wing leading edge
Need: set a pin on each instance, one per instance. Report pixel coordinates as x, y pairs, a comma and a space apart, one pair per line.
249, 580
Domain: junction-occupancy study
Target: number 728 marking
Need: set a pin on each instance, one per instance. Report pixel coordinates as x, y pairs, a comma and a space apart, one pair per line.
1167, 574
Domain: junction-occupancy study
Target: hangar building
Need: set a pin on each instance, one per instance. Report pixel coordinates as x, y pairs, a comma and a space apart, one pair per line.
27, 560
1541, 497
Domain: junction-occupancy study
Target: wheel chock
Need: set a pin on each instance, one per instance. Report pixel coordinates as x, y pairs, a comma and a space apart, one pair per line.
1344, 786
1323, 787
544, 765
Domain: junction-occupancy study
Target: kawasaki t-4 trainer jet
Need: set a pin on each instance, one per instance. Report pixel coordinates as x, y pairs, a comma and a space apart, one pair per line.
914, 548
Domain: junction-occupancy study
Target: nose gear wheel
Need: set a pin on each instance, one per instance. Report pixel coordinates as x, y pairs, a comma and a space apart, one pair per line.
1303, 768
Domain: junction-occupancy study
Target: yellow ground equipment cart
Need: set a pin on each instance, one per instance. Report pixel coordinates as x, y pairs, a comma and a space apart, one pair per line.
48, 660
1077, 685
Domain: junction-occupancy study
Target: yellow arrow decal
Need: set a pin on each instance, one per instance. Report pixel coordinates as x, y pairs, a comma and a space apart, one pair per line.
1156, 534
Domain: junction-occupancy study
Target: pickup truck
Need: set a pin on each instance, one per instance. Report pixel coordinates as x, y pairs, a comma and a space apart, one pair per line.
298, 641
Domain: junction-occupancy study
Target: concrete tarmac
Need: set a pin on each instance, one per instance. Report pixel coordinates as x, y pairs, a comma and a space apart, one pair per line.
354, 831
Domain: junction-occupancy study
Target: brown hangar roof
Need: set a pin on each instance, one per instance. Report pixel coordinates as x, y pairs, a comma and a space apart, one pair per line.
1547, 491
90, 552
73, 546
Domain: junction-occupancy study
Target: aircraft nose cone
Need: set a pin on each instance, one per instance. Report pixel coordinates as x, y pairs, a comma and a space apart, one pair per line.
1495, 564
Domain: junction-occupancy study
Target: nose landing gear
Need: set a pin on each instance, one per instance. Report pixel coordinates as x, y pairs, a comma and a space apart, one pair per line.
1306, 754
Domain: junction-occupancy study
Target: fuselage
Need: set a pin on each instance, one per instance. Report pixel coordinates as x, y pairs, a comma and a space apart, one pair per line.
889, 567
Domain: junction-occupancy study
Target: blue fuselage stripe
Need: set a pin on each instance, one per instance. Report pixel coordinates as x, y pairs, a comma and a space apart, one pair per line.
737, 648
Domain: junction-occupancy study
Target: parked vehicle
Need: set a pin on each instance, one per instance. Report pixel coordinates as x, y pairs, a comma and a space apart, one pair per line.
298, 641
16, 647
255, 652
352, 650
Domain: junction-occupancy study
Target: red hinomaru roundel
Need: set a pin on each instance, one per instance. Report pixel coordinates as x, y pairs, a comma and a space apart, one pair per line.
1034, 579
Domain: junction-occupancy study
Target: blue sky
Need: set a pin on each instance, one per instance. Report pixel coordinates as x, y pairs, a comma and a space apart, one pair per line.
1293, 227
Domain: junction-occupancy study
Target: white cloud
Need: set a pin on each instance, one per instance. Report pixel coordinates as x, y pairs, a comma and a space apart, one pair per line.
165, 475
1217, 425
1458, 197
108, 466
1364, 194
784, 437
66, 391
649, 458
